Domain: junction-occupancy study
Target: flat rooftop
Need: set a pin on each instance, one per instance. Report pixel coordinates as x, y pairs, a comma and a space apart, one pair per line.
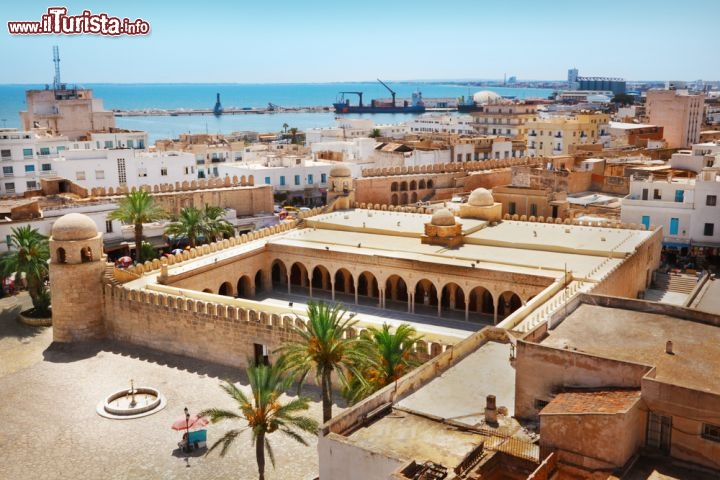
640, 337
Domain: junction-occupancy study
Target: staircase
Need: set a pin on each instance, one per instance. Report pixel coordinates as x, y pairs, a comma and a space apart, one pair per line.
671, 288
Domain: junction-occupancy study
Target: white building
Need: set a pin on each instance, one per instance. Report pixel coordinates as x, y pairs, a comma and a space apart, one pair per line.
686, 208
351, 128
27, 155
432, 123
296, 177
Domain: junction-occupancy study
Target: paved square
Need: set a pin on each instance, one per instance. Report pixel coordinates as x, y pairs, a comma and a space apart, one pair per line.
51, 430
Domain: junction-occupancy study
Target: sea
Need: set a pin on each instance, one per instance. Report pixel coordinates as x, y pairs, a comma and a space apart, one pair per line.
118, 96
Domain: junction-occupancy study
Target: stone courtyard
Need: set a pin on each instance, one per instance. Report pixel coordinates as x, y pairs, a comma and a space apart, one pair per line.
51, 430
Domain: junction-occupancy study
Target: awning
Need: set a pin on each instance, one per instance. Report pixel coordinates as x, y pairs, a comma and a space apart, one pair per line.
676, 244
706, 244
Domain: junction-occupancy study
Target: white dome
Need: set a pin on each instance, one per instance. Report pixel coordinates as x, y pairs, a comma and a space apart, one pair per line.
486, 96
74, 226
481, 197
443, 218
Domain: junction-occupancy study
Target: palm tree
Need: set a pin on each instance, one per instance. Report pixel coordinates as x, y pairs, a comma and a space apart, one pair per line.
29, 254
323, 347
137, 208
188, 225
214, 226
392, 357
263, 412
195, 223
375, 133
285, 127
293, 135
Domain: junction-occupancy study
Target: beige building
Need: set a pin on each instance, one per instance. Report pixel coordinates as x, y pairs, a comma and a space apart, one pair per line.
679, 113
72, 112
505, 118
554, 135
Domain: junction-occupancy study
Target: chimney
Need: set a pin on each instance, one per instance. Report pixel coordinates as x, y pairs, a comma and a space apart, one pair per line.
490, 410
669, 347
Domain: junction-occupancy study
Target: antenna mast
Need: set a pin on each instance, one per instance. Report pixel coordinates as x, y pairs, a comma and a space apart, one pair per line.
56, 61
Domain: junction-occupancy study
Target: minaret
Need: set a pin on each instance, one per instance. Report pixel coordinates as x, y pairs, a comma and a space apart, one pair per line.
77, 264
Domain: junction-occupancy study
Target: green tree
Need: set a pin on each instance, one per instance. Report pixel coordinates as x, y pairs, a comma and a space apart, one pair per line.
135, 209
375, 133
194, 223
293, 135
391, 357
323, 347
285, 127
263, 412
29, 254
623, 98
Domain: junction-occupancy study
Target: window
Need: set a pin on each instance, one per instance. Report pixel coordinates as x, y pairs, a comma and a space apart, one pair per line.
282, 179
122, 175
533, 209
711, 200
646, 221
163, 171
45, 151
27, 152
45, 167
711, 432
80, 175
8, 171
323, 178
267, 180
141, 143
656, 194
5, 154
310, 179
108, 144
679, 196
297, 179
512, 208
709, 229
99, 174
29, 168
31, 185
60, 148
108, 226
130, 144
10, 187
674, 223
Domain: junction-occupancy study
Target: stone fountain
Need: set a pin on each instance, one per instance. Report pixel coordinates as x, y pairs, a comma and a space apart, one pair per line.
133, 403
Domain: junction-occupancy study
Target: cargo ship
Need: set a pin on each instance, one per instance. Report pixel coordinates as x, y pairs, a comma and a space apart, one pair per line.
416, 105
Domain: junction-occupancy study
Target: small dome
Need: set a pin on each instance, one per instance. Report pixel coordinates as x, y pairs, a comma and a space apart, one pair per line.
443, 218
481, 197
74, 226
340, 170
486, 96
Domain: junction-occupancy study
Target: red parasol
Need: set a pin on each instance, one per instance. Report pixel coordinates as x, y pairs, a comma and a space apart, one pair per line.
193, 421
124, 262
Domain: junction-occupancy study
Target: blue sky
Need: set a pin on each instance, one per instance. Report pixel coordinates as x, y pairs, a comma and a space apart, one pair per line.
278, 41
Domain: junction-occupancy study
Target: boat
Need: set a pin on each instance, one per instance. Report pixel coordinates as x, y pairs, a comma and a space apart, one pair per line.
416, 105
468, 105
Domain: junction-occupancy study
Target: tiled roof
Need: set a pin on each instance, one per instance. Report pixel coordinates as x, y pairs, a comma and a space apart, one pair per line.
602, 402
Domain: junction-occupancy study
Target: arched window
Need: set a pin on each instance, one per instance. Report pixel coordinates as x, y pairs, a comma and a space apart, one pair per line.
61, 255
86, 255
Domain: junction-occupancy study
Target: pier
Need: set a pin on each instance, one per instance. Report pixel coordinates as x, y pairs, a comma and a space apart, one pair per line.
176, 112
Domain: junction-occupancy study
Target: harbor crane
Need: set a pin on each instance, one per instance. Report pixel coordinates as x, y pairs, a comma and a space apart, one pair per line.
392, 92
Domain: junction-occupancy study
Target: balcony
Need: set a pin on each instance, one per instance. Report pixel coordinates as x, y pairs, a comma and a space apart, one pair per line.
532, 134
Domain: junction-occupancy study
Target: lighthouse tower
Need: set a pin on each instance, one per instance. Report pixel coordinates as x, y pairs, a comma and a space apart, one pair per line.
77, 264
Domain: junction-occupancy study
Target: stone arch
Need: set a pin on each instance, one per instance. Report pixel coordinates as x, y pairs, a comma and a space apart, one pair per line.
321, 278
86, 255
299, 275
426, 293
258, 282
403, 186
421, 184
413, 197
394, 187
367, 285
245, 287
60, 255
344, 282
508, 302
403, 198
396, 290
481, 300
207, 290
430, 184
453, 297
413, 185
226, 289
394, 199
278, 273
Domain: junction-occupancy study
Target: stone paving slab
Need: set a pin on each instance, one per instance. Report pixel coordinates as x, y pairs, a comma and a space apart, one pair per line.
51, 430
